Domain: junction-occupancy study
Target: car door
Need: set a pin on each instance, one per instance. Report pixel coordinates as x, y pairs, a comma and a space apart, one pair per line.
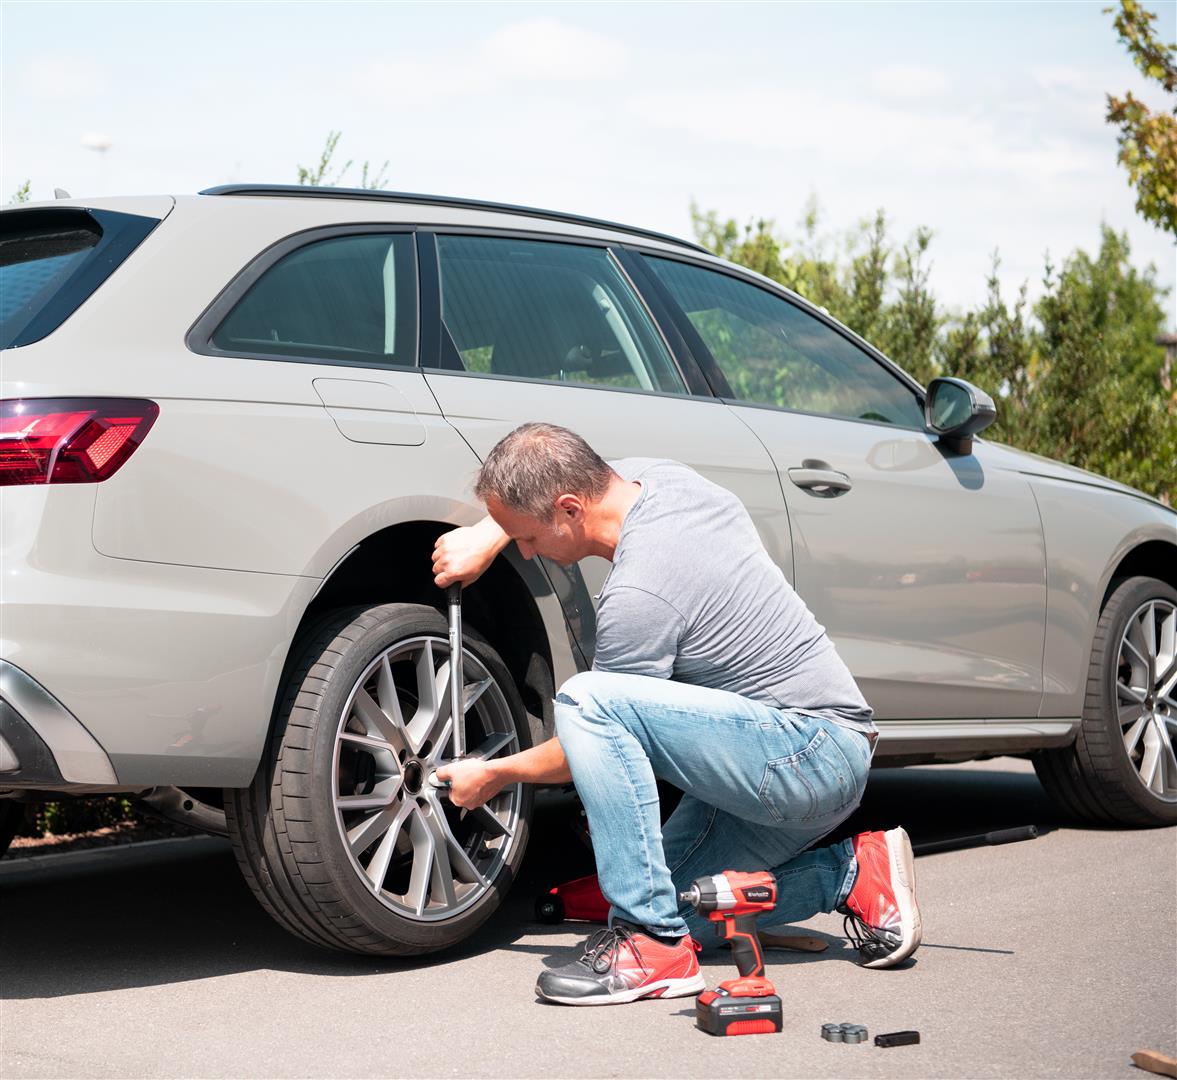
926, 567
526, 328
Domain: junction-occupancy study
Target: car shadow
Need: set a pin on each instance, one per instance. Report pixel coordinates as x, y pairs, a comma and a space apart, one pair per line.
181, 916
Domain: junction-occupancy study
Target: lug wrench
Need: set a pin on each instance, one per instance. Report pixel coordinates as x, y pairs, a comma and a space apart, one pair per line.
453, 595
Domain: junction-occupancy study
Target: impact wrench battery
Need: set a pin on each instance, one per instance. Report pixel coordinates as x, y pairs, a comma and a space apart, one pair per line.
748, 1005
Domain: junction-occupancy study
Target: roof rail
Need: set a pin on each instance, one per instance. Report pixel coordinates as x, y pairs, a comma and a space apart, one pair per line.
305, 190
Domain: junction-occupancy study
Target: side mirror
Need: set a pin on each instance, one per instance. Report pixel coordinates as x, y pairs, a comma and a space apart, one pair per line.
955, 411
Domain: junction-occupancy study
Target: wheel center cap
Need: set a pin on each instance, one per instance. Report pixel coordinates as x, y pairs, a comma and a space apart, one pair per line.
414, 774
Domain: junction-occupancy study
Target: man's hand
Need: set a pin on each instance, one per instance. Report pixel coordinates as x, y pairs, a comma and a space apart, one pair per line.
472, 782
464, 554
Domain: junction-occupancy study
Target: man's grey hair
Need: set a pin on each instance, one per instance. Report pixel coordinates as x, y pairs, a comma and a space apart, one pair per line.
531, 468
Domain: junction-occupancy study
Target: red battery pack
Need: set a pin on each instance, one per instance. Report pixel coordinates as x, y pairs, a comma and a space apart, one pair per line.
727, 1014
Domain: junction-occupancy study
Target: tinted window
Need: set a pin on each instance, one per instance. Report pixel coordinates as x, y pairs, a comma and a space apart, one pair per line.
775, 353
51, 261
350, 298
538, 310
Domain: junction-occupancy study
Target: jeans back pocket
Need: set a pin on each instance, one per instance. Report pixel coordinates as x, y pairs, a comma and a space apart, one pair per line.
814, 783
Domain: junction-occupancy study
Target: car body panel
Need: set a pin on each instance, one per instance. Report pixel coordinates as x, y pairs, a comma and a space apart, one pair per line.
929, 573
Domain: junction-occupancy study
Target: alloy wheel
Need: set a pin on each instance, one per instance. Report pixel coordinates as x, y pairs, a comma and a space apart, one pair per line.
419, 855
1146, 696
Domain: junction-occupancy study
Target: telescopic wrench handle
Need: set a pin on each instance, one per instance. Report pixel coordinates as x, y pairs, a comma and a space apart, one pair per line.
453, 596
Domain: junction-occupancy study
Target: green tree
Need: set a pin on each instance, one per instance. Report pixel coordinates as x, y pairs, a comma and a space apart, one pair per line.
21, 194
321, 175
1148, 140
1078, 376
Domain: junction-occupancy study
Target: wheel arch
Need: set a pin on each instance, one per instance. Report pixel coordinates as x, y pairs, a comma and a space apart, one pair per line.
1152, 558
394, 565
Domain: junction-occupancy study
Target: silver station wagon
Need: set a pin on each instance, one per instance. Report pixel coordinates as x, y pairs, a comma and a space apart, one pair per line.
234, 424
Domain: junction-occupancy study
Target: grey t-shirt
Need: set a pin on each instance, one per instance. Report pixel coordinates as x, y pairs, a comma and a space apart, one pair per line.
693, 596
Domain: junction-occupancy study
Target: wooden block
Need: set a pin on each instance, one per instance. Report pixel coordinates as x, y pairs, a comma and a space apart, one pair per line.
798, 943
1155, 1062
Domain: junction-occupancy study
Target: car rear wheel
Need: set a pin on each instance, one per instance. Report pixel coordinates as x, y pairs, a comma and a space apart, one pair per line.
341, 836
1123, 765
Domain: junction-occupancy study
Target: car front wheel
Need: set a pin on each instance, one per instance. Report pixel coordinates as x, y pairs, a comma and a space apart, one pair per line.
1123, 766
341, 836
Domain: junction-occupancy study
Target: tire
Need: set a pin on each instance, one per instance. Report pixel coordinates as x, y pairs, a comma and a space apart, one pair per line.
340, 836
1122, 768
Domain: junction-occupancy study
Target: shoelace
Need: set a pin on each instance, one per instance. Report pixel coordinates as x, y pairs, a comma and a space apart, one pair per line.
863, 937
600, 951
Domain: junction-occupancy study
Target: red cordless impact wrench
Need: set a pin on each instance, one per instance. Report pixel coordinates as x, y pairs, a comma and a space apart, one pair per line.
748, 1005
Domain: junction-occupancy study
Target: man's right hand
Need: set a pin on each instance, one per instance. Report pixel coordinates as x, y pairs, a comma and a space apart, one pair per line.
463, 554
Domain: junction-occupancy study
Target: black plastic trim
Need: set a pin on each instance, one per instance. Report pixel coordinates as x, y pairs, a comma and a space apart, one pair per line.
199, 336
706, 378
37, 763
300, 191
119, 235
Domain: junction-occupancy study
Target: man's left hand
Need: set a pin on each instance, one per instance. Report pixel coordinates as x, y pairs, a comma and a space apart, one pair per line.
472, 782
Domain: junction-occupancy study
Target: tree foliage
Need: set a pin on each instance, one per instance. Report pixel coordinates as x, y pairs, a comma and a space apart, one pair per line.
326, 174
1148, 140
1077, 376
21, 194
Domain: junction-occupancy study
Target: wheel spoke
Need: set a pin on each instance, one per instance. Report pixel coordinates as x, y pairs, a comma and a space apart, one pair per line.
379, 797
431, 722
377, 723
441, 874
368, 742
423, 848
1168, 760
1130, 693
386, 694
1150, 764
1136, 652
493, 745
378, 866
485, 818
361, 836
1129, 714
474, 691
1168, 678
1132, 735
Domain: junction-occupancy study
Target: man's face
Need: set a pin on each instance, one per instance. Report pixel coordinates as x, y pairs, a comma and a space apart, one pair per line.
562, 539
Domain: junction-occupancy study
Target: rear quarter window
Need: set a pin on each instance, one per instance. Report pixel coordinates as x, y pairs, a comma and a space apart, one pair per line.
52, 261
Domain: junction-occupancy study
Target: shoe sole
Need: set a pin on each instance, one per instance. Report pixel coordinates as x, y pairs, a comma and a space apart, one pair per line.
664, 988
902, 862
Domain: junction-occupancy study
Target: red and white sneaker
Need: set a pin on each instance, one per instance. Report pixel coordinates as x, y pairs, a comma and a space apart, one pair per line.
882, 916
621, 964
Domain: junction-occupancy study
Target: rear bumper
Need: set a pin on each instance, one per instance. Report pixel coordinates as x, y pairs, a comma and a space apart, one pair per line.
42, 744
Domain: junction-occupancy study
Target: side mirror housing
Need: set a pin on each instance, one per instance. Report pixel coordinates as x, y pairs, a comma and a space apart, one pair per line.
955, 411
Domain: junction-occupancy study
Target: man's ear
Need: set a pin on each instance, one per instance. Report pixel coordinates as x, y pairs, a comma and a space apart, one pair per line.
569, 506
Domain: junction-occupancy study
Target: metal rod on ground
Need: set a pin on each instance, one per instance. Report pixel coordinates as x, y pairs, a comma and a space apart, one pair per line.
956, 843
457, 712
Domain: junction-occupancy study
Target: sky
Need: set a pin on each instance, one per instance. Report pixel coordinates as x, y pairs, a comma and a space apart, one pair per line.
982, 121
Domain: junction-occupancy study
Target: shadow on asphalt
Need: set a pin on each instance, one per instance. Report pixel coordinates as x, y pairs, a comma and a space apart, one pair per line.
187, 917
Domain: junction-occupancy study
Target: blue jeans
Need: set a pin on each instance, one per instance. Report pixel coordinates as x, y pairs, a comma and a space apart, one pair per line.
760, 786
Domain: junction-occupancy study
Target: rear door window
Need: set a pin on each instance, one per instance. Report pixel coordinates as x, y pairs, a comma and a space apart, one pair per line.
52, 260
533, 309
346, 299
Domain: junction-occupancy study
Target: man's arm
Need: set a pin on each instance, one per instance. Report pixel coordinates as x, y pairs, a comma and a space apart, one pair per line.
474, 782
464, 554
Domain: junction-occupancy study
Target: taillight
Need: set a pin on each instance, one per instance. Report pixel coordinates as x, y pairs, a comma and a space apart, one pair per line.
69, 440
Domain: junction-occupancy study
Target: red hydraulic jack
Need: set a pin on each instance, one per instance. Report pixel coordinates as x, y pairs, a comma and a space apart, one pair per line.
748, 1005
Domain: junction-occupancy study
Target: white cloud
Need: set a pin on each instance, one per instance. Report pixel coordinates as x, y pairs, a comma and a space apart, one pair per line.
1062, 78
535, 50
62, 77
907, 82
548, 49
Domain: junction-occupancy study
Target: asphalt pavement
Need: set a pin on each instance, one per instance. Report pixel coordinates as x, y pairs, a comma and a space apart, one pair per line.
1054, 957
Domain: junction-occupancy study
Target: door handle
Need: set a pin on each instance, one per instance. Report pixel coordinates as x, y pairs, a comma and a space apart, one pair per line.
819, 479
